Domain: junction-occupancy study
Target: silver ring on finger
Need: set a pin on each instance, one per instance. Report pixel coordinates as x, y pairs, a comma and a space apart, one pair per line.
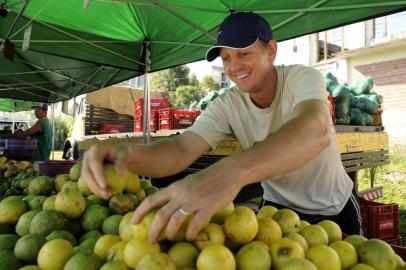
183, 211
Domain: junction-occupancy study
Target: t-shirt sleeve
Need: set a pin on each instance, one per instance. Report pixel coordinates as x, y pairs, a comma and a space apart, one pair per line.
307, 83
212, 125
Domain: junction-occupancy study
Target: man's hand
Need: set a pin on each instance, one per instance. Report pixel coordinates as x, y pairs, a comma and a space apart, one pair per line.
93, 162
201, 195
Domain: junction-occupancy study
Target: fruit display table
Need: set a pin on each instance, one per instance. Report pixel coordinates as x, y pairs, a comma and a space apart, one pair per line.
56, 221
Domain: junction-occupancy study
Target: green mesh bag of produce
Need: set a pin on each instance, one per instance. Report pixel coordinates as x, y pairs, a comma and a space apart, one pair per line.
330, 85
353, 100
362, 86
342, 97
222, 91
345, 120
341, 93
330, 76
366, 105
369, 119
193, 106
342, 109
374, 97
204, 101
357, 117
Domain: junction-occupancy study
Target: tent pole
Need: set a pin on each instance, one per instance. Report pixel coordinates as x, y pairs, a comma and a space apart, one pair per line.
53, 130
146, 132
13, 114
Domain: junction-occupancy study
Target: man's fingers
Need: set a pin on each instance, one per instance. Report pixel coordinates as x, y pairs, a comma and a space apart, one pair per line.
98, 173
88, 177
201, 219
152, 201
161, 219
93, 171
97, 190
95, 161
176, 221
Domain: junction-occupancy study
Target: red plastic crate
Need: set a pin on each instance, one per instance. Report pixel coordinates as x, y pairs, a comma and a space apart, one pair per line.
155, 103
172, 118
332, 108
138, 126
380, 220
197, 113
108, 128
153, 122
153, 115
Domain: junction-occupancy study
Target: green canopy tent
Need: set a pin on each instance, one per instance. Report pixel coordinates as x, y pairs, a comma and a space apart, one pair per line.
10, 105
78, 46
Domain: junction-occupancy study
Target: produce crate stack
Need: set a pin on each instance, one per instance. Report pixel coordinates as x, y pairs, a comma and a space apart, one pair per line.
153, 122
156, 104
381, 221
172, 118
109, 128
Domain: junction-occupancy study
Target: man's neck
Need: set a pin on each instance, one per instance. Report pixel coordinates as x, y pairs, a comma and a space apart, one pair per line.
264, 98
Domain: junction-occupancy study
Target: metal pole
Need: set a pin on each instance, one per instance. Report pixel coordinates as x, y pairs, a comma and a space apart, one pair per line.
146, 131
13, 110
53, 130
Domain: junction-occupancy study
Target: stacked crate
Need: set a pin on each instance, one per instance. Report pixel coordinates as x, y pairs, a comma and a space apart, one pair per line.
155, 105
172, 118
381, 221
109, 128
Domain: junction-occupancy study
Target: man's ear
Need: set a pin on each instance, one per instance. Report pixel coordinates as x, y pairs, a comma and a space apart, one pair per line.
273, 48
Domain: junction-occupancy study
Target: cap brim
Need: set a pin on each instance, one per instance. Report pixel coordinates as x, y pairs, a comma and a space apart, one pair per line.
39, 107
214, 51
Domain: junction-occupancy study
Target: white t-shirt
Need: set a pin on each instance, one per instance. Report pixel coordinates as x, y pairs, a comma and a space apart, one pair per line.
319, 187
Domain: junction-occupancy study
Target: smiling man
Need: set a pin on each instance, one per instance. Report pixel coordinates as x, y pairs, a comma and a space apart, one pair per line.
281, 117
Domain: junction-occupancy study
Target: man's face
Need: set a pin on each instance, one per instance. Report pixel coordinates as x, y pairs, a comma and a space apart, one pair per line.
249, 68
39, 112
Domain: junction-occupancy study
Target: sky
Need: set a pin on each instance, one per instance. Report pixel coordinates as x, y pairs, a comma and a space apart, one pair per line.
202, 68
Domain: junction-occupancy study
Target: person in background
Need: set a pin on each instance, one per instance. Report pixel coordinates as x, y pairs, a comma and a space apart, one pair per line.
281, 117
41, 131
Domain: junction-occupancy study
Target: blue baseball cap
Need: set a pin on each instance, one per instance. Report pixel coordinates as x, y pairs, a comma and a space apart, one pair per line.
240, 30
43, 106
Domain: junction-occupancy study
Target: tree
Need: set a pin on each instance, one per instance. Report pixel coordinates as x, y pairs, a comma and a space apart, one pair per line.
169, 79
185, 95
208, 83
193, 80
